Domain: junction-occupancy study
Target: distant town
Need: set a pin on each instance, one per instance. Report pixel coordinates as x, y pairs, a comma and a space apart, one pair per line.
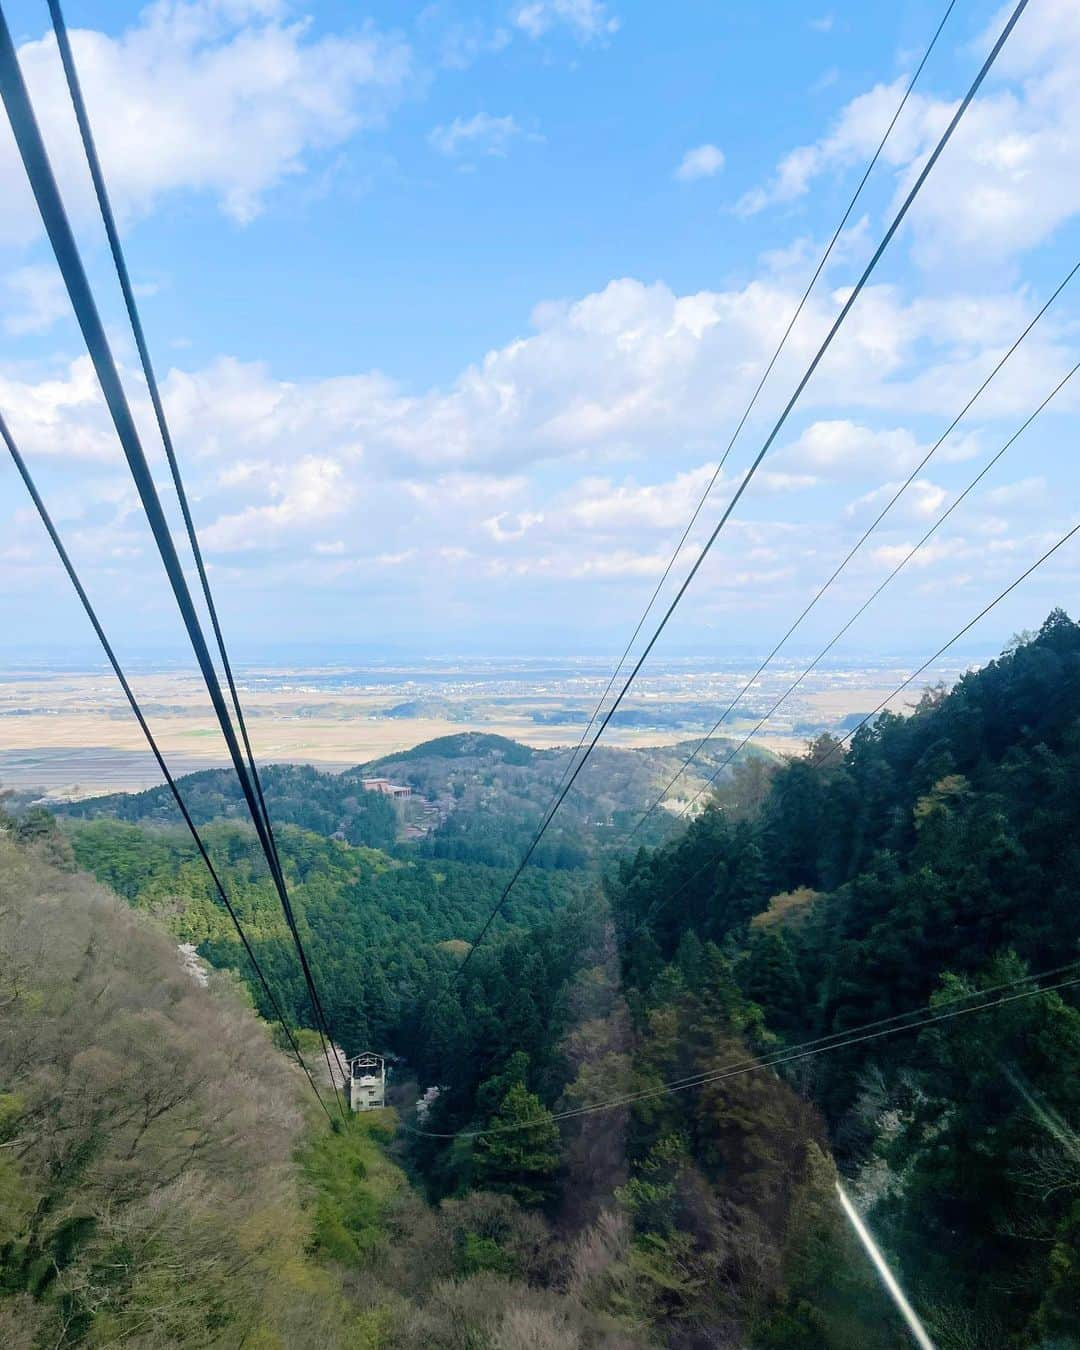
69, 733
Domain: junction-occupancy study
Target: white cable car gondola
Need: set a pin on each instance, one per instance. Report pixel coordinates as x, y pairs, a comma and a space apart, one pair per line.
367, 1081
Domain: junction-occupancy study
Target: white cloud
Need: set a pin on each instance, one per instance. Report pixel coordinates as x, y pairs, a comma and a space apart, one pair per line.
704, 161
825, 80
221, 96
588, 20
1007, 180
17, 554
960, 446
853, 138
243, 471
1025, 494
615, 564
309, 492
62, 416
460, 42
922, 500
37, 300
466, 491
599, 504
480, 134
937, 550
633, 370
843, 447
799, 258
577, 450
772, 480
508, 526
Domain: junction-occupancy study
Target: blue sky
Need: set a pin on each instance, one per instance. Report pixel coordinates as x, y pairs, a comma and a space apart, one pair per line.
455, 305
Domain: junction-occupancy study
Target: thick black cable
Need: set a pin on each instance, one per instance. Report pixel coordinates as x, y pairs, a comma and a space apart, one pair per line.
91, 614
943, 1011
851, 553
43, 183
856, 291
82, 117
754, 396
109, 220
840, 741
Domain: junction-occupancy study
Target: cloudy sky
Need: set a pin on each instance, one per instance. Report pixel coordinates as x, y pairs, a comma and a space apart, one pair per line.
456, 305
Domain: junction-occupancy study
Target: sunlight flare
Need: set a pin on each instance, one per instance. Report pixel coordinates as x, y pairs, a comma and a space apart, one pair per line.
918, 1331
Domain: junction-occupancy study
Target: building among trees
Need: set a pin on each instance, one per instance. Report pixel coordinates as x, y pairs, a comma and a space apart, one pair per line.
385, 787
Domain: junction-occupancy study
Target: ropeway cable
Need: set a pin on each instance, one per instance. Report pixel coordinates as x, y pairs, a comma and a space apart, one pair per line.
43, 183
848, 735
942, 1012
876, 592
871, 528
691, 1080
82, 117
69, 568
856, 291
754, 396
109, 221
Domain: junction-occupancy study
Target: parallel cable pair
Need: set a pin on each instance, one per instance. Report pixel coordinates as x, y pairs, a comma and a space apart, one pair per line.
855, 548
854, 294
39, 171
108, 219
910, 679
915, 548
84, 599
942, 1011
82, 118
822, 261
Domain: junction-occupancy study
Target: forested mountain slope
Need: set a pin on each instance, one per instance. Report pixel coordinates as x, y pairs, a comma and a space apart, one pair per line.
147, 1189
935, 856
941, 852
164, 1181
490, 794
375, 926
938, 855
296, 794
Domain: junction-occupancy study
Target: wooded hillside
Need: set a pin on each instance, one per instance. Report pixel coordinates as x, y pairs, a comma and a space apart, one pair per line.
147, 1189
933, 858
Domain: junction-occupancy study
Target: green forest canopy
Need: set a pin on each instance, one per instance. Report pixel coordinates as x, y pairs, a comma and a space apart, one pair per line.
937, 855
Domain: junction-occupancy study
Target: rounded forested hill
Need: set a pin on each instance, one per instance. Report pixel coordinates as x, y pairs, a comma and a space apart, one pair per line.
296, 794
490, 794
478, 797
463, 745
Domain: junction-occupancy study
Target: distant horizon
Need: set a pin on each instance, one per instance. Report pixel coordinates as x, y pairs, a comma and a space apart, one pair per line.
67, 730
169, 662
453, 355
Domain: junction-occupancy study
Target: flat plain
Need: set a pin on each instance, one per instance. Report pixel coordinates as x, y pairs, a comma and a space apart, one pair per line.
71, 734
